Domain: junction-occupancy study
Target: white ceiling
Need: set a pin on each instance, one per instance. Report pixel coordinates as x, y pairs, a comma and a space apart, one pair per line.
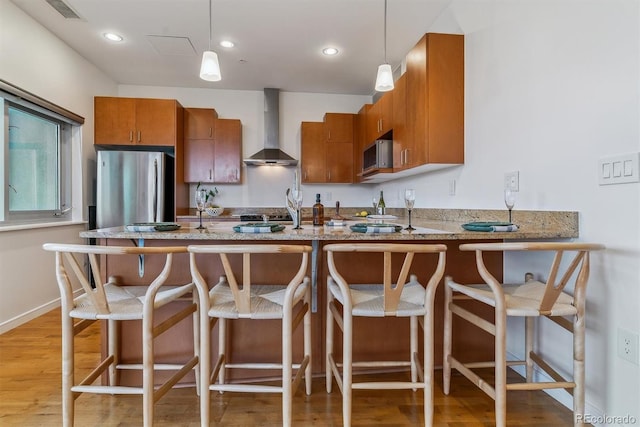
278, 42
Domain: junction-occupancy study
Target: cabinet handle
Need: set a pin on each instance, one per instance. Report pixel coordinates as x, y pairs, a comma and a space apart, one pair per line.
210, 132
406, 156
139, 136
381, 125
130, 136
305, 175
329, 176
210, 175
329, 134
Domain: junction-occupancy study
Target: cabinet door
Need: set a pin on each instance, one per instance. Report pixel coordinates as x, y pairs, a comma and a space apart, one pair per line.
114, 121
380, 117
401, 144
198, 160
435, 99
360, 141
338, 127
156, 121
339, 162
199, 123
228, 151
312, 152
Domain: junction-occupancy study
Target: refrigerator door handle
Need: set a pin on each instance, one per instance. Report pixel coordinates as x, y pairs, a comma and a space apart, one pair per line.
155, 190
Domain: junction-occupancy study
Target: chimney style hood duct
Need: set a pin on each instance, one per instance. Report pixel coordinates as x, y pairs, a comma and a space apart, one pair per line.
271, 154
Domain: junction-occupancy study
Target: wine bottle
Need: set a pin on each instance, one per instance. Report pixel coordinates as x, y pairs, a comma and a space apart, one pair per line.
381, 205
318, 212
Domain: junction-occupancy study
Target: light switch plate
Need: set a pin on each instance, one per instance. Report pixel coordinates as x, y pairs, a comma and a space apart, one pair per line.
621, 169
512, 181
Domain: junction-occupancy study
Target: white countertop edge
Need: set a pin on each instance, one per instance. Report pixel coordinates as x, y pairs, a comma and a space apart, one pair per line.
33, 226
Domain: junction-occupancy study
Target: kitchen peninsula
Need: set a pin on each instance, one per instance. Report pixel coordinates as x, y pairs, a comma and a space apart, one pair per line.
432, 226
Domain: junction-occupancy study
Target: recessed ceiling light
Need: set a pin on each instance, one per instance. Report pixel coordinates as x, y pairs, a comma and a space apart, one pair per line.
113, 37
330, 51
227, 43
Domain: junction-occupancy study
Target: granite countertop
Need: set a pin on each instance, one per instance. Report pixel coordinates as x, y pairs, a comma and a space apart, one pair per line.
430, 224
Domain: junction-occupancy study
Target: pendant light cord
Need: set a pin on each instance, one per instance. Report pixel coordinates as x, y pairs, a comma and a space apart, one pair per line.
385, 31
210, 19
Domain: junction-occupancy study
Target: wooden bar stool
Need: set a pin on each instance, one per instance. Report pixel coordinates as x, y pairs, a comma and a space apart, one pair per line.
531, 299
232, 299
115, 302
397, 294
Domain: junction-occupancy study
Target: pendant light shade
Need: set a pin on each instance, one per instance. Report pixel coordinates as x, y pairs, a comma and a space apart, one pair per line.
210, 68
384, 79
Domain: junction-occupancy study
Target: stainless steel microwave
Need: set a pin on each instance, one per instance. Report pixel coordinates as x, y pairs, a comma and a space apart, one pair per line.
378, 155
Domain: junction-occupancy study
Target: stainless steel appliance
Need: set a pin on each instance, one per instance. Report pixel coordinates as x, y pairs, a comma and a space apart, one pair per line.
134, 186
378, 155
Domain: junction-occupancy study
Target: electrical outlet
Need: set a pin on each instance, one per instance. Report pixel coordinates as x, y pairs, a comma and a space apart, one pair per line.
512, 181
628, 345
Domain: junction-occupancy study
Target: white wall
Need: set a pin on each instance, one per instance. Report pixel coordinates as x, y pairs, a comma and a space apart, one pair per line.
551, 87
31, 58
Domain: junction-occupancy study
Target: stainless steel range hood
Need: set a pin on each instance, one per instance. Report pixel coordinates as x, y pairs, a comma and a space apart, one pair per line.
271, 154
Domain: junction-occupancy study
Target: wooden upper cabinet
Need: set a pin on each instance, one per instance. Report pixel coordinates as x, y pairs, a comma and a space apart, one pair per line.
137, 121
380, 117
199, 123
339, 162
435, 99
322, 161
402, 145
214, 160
338, 127
228, 156
312, 152
360, 141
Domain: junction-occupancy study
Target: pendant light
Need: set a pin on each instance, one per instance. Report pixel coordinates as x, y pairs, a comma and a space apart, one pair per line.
210, 68
384, 80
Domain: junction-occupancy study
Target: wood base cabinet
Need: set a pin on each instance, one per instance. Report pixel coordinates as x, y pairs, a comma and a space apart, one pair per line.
137, 121
469, 342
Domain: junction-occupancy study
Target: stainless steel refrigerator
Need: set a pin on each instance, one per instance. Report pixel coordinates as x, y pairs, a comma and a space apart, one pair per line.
134, 186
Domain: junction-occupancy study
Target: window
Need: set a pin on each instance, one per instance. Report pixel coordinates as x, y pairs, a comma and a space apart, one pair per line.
36, 160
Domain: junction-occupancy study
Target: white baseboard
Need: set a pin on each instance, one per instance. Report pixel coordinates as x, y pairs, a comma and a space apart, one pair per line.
29, 315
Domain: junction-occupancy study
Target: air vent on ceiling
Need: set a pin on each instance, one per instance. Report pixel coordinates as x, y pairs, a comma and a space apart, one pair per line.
63, 9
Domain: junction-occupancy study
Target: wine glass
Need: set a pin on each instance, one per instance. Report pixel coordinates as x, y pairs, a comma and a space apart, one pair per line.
296, 193
409, 200
201, 199
375, 200
509, 200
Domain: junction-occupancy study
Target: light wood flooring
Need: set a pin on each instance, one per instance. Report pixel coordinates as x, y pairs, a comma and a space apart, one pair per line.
30, 395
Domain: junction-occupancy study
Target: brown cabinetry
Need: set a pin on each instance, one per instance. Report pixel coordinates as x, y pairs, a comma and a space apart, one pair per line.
360, 140
380, 117
199, 123
435, 100
323, 161
338, 127
212, 147
402, 144
137, 121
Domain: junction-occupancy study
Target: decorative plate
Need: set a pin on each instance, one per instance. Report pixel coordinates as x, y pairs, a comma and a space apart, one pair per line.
258, 227
490, 226
375, 228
